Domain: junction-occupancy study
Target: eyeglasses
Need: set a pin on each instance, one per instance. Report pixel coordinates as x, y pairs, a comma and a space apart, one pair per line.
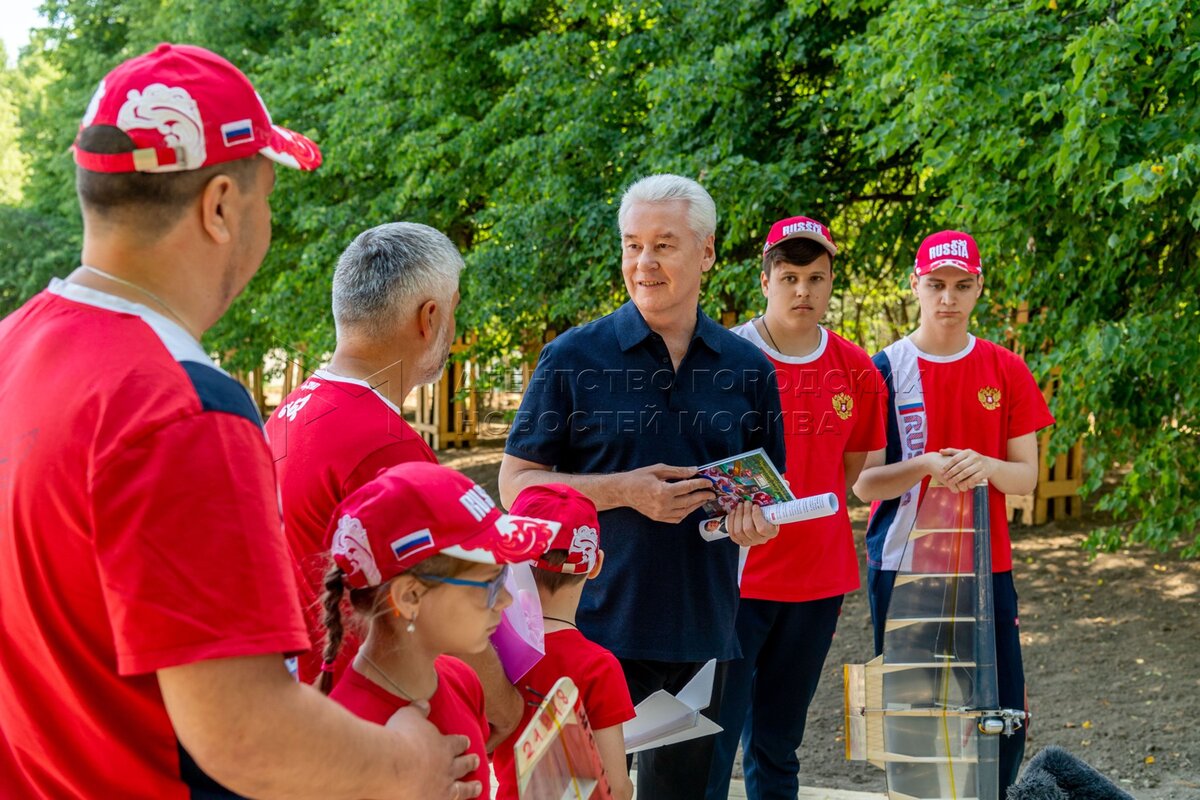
493, 586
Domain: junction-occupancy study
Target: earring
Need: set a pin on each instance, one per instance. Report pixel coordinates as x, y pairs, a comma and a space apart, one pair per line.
412, 624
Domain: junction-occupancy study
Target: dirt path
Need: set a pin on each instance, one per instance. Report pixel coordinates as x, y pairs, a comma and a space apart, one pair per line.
1112, 659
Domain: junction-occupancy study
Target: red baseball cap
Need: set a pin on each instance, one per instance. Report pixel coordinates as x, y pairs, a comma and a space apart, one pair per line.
948, 249
410, 512
800, 228
186, 108
580, 531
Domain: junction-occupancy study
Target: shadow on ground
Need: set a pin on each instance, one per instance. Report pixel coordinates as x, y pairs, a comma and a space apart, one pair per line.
1112, 657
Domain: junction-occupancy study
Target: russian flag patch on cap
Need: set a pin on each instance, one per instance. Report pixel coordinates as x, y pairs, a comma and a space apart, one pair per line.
413, 543
235, 133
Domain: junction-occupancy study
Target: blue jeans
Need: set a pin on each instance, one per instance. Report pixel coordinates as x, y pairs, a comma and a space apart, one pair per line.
767, 693
1010, 670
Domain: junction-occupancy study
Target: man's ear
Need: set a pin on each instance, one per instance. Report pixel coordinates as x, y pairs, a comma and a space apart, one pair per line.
595, 571
913, 280
216, 206
425, 319
710, 253
980, 292
765, 280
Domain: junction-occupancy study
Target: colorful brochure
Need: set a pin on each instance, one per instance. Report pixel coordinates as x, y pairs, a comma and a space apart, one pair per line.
746, 476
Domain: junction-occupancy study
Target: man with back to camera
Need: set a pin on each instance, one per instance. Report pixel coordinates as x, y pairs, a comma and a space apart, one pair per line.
792, 587
970, 410
147, 598
624, 409
395, 290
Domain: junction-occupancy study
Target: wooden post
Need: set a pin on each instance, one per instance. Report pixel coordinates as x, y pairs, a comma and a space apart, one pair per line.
534, 345
1056, 496
443, 419
259, 392
253, 381
293, 369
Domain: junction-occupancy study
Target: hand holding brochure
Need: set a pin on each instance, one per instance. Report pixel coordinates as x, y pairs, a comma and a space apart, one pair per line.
814, 507
747, 476
664, 718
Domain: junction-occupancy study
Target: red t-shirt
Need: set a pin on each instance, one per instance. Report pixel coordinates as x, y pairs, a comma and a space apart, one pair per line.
601, 683
834, 402
139, 529
456, 706
329, 437
976, 399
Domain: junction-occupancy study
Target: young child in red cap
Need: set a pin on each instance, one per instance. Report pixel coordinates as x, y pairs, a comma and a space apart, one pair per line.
573, 558
423, 552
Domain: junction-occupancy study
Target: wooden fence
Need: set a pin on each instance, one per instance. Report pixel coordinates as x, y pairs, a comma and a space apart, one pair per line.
448, 412
1057, 493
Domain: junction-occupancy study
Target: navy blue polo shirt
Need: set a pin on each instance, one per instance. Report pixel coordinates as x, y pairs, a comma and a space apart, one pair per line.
605, 398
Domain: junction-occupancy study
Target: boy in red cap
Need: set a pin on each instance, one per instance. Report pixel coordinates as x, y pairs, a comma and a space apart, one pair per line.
423, 552
960, 410
573, 558
792, 587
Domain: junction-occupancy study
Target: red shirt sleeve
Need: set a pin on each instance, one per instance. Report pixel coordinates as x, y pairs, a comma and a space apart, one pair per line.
190, 548
605, 693
1028, 411
870, 427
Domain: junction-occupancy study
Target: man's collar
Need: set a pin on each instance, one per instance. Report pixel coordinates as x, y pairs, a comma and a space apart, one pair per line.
708, 331
632, 329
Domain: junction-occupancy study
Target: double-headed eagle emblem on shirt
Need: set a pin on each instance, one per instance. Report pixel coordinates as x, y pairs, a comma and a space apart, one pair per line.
843, 404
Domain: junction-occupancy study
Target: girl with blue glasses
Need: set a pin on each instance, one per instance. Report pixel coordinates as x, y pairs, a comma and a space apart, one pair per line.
422, 552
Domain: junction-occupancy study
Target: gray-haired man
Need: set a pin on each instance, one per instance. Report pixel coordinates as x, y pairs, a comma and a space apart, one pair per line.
624, 409
394, 294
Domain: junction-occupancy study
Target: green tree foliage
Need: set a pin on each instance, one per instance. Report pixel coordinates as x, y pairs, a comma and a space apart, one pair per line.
1061, 133
1064, 136
12, 160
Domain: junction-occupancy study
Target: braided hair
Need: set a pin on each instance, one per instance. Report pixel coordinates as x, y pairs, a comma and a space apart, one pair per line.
366, 603
331, 601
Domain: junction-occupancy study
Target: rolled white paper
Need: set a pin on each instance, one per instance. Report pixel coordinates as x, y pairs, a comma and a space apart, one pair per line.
804, 508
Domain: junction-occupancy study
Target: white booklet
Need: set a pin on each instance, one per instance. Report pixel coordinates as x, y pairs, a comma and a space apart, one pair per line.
664, 718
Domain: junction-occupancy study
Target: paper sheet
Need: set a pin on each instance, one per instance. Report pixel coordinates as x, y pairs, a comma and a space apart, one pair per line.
664, 718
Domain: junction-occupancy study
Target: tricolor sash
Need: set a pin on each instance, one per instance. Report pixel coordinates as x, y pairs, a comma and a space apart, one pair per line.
908, 404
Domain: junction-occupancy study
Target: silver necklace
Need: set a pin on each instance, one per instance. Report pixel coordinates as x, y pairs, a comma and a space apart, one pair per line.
144, 291
391, 682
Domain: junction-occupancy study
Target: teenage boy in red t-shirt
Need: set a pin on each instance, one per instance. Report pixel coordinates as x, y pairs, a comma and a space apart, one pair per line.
573, 558
792, 586
970, 411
